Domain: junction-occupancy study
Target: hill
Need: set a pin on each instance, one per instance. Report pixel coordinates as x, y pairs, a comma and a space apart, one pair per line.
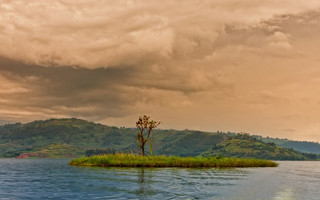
302, 146
75, 137
245, 146
39, 135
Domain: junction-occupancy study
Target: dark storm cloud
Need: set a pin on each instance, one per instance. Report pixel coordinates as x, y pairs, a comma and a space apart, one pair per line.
68, 90
92, 93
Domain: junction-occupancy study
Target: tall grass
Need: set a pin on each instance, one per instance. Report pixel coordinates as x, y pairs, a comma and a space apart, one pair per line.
133, 160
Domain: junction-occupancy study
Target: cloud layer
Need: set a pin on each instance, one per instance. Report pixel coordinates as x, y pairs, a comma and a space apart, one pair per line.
228, 65
102, 34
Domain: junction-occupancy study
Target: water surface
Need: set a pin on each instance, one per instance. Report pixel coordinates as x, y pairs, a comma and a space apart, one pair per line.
55, 179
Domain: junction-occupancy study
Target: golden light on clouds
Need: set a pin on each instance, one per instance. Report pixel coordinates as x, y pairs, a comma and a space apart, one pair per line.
211, 65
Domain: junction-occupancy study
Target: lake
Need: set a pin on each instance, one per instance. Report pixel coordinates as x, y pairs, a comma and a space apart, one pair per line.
55, 179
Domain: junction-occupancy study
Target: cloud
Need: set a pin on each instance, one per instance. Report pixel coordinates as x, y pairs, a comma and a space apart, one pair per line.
36, 91
202, 64
33, 91
101, 34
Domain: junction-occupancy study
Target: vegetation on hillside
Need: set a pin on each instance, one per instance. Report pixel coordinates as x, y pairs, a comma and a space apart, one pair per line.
20, 138
133, 160
302, 146
76, 138
92, 152
245, 146
58, 151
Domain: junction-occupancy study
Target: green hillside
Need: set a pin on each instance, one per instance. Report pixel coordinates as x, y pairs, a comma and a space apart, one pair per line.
302, 146
245, 146
20, 138
74, 138
190, 143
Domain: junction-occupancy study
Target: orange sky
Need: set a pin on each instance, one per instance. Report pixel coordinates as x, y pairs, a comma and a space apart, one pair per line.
228, 65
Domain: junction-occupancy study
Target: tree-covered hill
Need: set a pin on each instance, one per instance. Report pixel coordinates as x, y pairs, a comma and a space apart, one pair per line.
302, 146
74, 137
18, 138
245, 146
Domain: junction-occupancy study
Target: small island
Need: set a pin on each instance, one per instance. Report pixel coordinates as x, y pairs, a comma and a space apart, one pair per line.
134, 160
144, 124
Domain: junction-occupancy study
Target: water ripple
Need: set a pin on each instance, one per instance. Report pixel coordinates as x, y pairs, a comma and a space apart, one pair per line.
55, 179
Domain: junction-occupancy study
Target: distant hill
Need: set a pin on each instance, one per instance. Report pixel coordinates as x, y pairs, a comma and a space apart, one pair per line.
58, 138
302, 146
245, 146
81, 134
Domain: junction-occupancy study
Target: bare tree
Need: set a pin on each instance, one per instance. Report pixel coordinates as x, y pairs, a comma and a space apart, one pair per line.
145, 124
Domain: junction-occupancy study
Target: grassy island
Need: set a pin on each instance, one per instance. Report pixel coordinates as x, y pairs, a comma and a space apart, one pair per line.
132, 160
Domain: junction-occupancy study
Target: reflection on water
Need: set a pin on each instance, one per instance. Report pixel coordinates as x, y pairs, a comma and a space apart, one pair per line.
55, 179
141, 181
144, 182
180, 183
286, 194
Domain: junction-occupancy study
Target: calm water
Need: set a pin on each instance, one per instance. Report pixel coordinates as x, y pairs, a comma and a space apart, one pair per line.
55, 179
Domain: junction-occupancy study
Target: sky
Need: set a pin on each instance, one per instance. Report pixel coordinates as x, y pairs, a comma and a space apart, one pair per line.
229, 65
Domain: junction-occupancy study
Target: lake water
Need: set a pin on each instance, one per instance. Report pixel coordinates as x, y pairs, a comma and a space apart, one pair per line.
55, 179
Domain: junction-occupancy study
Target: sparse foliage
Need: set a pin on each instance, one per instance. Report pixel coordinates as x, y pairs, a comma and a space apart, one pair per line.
144, 124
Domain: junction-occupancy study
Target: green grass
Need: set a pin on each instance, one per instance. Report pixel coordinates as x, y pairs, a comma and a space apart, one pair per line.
133, 160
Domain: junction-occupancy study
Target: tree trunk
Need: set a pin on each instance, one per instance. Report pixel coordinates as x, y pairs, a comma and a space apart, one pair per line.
142, 148
151, 147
